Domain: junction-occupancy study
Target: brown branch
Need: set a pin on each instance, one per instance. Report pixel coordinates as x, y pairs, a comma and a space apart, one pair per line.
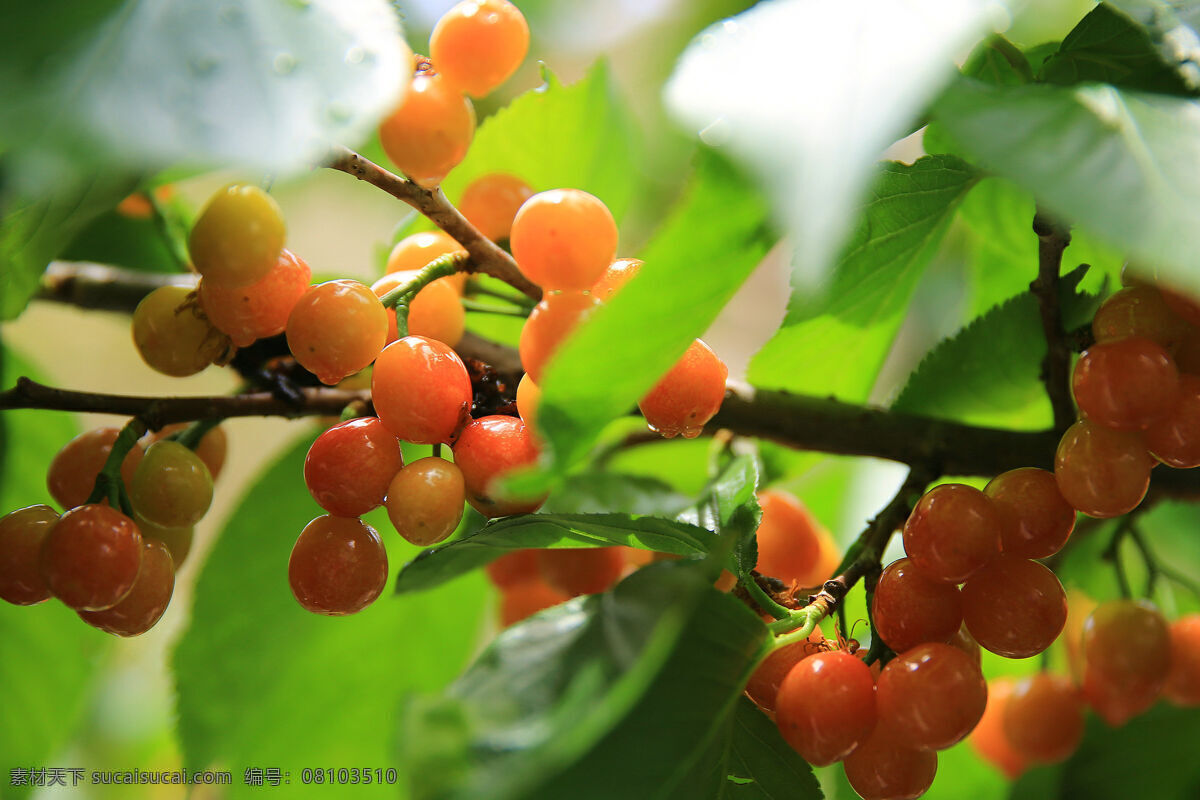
159, 411
486, 255
1053, 238
104, 288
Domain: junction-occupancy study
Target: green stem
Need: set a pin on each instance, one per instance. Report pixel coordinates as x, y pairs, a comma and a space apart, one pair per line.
474, 288
1156, 567
170, 229
109, 485
190, 436
484, 308
764, 600
804, 621
1113, 554
440, 267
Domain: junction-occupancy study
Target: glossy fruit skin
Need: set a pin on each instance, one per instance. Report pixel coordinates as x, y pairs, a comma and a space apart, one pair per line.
564, 239
425, 500
478, 44
429, 133
1102, 472
826, 707
171, 486
581, 570
487, 449
336, 328
1038, 520
418, 249
146, 602
490, 203
963, 640
1183, 680
952, 532
1014, 607
1138, 311
1175, 438
421, 390
435, 313
882, 768
788, 548
91, 557
238, 236
171, 337
72, 473
1127, 658
549, 324
348, 467
513, 568
338, 566
618, 273
1044, 718
212, 448
909, 609
688, 396
177, 540
248, 313
21, 535
989, 737
764, 683
931, 696
528, 398
523, 600
1126, 384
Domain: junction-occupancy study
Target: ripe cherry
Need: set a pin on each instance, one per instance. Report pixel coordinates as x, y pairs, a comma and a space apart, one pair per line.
909, 609
336, 328
1183, 681
425, 500
788, 547
826, 706
886, 768
72, 473
247, 313
487, 449
1044, 718
564, 239
338, 566
478, 44
429, 133
421, 390
1100, 471
953, 531
1014, 607
764, 683
91, 557
1127, 657
989, 737
931, 696
490, 203
146, 602
348, 467
689, 395
581, 570
21, 535
549, 324
1037, 518
1126, 384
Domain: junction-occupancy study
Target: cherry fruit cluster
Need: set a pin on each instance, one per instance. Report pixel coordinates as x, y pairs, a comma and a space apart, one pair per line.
127, 526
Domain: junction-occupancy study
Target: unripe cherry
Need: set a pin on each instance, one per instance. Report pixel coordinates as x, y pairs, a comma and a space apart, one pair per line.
425, 500
171, 487
238, 236
171, 335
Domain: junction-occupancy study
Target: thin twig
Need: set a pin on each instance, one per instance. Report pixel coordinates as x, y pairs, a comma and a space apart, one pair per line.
1053, 238
486, 255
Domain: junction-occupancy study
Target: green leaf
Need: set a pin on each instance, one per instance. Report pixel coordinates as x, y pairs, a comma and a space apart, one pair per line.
999, 62
728, 505
598, 492
116, 239
591, 699
837, 344
1152, 753
812, 142
262, 682
749, 760
1173, 27
580, 136
49, 668
33, 231
704, 251
988, 374
439, 564
1108, 160
144, 85
1109, 47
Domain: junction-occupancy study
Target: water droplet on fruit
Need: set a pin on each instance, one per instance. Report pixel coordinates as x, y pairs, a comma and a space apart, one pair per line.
284, 63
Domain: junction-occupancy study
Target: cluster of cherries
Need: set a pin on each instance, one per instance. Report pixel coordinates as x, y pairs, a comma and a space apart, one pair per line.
113, 553
971, 578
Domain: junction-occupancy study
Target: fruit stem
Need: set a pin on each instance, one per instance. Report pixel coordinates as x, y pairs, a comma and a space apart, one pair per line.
440, 267
109, 485
1156, 568
190, 436
1113, 554
484, 308
764, 600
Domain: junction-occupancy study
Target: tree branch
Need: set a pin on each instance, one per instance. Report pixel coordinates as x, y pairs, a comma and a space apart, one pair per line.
486, 255
1053, 238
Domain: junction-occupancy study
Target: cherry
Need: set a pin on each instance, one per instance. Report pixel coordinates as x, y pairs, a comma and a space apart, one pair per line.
581, 570
1044, 718
21, 535
171, 487
72, 473
91, 557
1014, 607
336, 328
1037, 518
549, 324
764, 683
490, 202
421, 390
1138, 312
212, 448
348, 467
788, 547
1100, 471
338, 566
525, 599
1126, 384
1183, 680
564, 239
826, 706
689, 395
886, 768
513, 568
429, 133
952, 532
146, 602
418, 249
1175, 438
171, 335
618, 273
177, 540
989, 737
931, 696
425, 500
909, 609
238, 236
487, 449
478, 44
436, 312
1127, 657
247, 313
